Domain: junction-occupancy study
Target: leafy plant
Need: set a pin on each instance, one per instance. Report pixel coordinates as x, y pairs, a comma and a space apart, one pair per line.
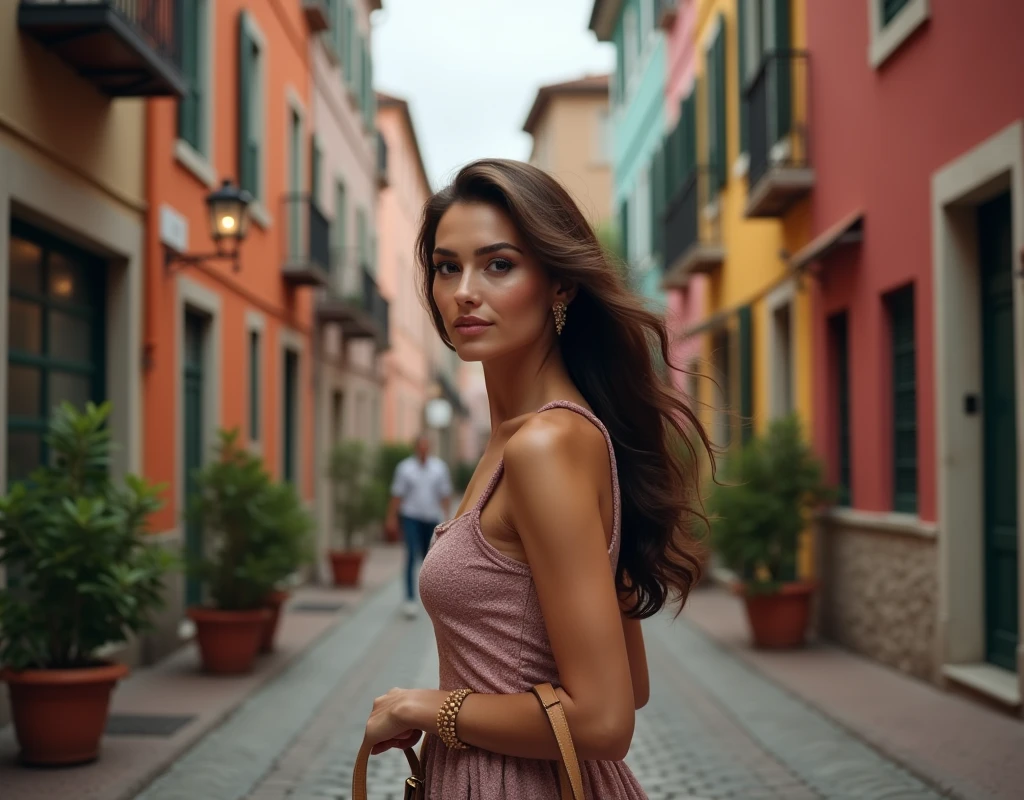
81, 570
388, 458
360, 497
760, 508
256, 531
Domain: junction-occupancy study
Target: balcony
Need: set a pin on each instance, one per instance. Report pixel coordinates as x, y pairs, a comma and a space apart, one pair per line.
318, 15
692, 237
780, 169
307, 238
382, 161
355, 303
125, 48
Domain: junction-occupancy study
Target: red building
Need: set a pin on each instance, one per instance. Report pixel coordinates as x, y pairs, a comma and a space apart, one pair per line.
917, 113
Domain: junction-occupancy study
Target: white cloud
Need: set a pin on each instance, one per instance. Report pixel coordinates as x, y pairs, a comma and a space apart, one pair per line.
470, 69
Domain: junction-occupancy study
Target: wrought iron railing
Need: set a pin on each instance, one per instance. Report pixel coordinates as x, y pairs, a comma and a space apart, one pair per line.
777, 100
158, 22
686, 223
307, 232
374, 304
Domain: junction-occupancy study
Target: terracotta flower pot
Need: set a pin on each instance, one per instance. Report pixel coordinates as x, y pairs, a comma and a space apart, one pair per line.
780, 620
59, 714
347, 566
274, 603
229, 640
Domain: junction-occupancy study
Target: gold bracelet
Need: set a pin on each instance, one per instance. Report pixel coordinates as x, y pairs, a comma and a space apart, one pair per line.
446, 716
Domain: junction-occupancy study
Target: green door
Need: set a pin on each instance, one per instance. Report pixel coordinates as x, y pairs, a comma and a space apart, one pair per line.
1000, 431
195, 330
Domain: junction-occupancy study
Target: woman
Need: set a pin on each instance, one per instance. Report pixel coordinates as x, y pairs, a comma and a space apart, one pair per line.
573, 528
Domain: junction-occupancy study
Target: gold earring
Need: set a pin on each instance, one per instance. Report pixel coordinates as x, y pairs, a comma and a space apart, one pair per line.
559, 311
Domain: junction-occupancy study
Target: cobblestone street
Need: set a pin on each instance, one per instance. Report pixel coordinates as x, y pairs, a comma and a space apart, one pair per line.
714, 727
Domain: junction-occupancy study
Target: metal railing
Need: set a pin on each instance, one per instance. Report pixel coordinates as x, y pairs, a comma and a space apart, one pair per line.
686, 224
307, 232
777, 100
157, 22
374, 304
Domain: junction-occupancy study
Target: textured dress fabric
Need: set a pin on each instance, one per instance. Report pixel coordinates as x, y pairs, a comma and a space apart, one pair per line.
491, 638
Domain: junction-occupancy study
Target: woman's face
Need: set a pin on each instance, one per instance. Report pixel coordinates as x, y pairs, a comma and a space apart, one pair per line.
494, 297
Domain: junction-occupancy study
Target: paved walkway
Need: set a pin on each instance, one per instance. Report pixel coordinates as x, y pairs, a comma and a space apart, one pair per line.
714, 728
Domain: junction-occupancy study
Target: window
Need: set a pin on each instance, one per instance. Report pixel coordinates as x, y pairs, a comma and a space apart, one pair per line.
782, 360
723, 376
289, 424
254, 386
295, 187
361, 239
56, 339
347, 40
900, 305
624, 229
250, 107
315, 159
339, 26
339, 230
892, 23
192, 106
745, 345
763, 30
840, 351
716, 112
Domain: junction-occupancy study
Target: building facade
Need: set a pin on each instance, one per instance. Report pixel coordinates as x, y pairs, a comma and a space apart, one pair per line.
571, 128
638, 107
408, 363
918, 323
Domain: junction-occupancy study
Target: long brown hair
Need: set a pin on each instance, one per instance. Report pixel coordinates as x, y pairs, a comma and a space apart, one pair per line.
610, 346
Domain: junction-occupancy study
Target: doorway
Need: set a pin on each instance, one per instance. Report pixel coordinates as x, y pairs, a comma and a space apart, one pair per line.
193, 379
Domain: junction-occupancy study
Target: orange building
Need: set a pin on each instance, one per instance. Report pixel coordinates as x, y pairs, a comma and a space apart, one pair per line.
238, 345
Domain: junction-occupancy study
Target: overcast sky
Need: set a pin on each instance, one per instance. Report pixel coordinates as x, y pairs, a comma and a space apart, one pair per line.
470, 69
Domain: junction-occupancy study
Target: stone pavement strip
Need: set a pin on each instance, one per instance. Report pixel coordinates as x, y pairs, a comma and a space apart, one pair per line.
715, 728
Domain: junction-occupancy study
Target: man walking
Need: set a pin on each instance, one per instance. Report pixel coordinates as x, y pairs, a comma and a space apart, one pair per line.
421, 491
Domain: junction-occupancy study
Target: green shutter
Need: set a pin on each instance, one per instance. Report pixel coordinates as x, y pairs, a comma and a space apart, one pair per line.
741, 60
624, 229
246, 164
783, 70
689, 137
314, 172
839, 328
746, 376
361, 236
254, 386
657, 199
904, 400
189, 105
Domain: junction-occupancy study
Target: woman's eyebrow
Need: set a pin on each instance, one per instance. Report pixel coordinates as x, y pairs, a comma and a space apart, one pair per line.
481, 251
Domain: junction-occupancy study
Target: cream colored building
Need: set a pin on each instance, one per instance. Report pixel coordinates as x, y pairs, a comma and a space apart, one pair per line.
570, 126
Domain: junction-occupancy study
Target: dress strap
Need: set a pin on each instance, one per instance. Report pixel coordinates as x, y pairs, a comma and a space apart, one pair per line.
616, 498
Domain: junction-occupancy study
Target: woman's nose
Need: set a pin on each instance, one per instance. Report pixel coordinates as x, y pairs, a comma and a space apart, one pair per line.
466, 292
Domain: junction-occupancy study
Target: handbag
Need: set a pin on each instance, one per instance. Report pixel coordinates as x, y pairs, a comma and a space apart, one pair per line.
570, 778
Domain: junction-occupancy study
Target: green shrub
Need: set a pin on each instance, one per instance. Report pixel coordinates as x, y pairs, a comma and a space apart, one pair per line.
82, 572
762, 504
360, 497
388, 458
256, 532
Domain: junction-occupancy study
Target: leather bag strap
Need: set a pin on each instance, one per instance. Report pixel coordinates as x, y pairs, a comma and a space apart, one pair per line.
415, 785
569, 775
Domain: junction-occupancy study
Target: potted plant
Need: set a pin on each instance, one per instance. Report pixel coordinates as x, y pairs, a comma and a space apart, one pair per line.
359, 499
758, 511
255, 533
81, 574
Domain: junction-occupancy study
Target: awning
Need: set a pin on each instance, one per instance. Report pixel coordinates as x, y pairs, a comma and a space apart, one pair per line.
848, 230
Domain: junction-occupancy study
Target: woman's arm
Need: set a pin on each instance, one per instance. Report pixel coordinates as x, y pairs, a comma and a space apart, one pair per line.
556, 468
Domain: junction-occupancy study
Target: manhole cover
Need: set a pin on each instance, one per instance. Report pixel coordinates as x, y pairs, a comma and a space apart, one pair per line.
317, 608
146, 724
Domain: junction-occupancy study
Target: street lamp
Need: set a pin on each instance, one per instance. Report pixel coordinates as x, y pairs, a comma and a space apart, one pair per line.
228, 209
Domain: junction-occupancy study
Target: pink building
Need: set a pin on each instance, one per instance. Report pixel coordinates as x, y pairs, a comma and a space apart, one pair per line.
917, 119
684, 305
407, 375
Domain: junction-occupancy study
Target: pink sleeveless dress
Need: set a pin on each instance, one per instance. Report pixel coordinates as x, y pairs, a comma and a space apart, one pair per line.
491, 638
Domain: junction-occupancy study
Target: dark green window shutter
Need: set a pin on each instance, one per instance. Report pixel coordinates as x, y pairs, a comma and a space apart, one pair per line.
247, 153
746, 369
668, 163
741, 60
657, 181
904, 399
890, 8
314, 171
839, 334
783, 66
689, 136
348, 48
254, 386
624, 229
721, 157
190, 105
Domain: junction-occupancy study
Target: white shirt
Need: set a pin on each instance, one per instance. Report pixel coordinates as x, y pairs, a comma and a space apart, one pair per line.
422, 486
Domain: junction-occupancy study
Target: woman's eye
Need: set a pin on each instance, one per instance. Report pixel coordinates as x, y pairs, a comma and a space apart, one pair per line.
500, 265
445, 268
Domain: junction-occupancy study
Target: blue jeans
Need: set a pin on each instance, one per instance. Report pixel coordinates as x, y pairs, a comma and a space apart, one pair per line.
417, 540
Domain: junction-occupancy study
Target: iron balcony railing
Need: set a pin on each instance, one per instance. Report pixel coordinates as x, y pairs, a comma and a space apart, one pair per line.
686, 224
308, 233
375, 305
776, 100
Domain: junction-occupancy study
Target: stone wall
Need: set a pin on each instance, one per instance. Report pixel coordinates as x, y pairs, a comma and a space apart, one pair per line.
879, 595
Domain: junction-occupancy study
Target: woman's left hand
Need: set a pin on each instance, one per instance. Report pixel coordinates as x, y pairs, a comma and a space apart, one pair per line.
399, 717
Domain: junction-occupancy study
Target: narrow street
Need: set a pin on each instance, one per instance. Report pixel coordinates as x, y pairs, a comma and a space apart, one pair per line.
714, 728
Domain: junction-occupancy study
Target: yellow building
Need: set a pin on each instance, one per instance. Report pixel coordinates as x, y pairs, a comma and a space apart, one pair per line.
738, 177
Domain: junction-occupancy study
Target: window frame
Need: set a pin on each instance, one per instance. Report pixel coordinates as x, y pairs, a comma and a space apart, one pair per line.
256, 115
886, 38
